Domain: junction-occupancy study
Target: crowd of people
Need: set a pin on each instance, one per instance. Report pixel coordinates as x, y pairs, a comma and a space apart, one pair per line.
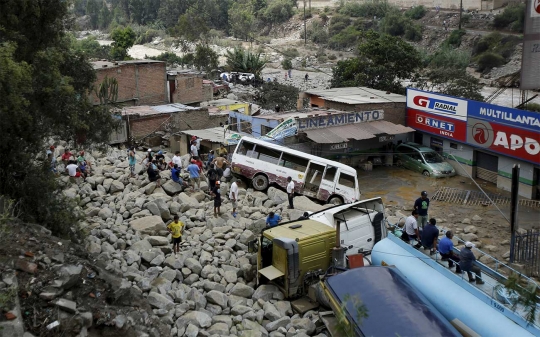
425, 233
75, 165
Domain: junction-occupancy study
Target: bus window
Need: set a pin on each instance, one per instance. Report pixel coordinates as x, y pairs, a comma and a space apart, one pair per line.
265, 154
293, 162
346, 180
330, 174
246, 148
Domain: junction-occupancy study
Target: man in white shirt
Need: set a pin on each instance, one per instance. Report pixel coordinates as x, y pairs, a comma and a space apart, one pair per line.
411, 229
194, 151
290, 192
177, 160
233, 195
73, 169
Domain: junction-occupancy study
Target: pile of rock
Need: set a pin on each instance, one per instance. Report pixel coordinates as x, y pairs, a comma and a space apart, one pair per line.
209, 287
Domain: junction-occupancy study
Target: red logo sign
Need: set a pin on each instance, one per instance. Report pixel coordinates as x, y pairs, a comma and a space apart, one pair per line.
437, 125
421, 100
480, 133
536, 6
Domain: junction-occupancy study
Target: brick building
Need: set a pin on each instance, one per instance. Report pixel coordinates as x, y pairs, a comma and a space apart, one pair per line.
359, 99
145, 121
140, 82
187, 87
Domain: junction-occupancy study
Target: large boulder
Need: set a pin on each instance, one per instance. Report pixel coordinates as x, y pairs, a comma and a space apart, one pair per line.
197, 318
267, 292
243, 290
172, 188
157, 240
105, 213
116, 186
187, 200
148, 224
159, 301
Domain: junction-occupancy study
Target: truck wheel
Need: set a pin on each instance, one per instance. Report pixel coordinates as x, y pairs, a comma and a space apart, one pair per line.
426, 173
260, 182
321, 297
335, 201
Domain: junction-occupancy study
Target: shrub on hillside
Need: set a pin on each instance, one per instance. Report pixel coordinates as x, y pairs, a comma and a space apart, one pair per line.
413, 32
316, 33
448, 57
286, 64
347, 38
337, 24
454, 40
489, 60
368, 9
416, 12
396, 24
512, 17
278, 11
532, 107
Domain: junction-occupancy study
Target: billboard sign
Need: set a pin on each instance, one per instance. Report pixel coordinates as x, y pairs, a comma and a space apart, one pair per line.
504, 139
441, 105
530, 60
438, 125
503, 115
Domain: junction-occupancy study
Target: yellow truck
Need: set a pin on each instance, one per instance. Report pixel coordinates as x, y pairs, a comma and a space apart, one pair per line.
291, 256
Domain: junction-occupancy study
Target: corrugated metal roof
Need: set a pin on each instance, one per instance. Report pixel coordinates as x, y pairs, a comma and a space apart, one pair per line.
146, 110
214, 135
357, 95
359, 131
173, 107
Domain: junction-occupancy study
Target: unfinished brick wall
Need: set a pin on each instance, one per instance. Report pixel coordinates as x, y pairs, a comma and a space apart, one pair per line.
393, 112
179, 121
189, 90
138, 84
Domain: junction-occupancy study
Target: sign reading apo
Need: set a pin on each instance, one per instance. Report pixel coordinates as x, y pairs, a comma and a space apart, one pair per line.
437, 104
339, 119
521, 144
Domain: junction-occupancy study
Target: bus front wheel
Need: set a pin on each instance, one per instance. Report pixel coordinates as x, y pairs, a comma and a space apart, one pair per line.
260, 182
335, 201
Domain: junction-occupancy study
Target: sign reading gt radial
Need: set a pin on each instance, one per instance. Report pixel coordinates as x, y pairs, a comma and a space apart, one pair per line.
437, 104
517, 143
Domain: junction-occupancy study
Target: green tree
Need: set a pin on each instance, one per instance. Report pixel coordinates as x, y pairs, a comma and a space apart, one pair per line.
190, 29
43, 94
205, 58
169, 57
272, 94
382, 62
244, 61
143, 12
92, 8
278, 11
123, 39
452, 81
242, 20
90, 47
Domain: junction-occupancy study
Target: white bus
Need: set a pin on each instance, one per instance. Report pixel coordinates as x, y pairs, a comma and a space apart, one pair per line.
265, 163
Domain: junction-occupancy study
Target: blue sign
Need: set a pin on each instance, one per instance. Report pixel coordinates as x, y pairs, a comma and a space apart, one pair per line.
503, 115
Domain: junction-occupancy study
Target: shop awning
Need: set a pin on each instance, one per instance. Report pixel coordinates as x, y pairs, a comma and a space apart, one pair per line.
359, 131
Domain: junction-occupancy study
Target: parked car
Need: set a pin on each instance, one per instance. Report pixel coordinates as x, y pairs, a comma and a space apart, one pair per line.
423, 159
242, 77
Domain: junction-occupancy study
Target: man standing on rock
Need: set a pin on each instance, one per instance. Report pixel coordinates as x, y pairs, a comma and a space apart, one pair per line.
132, 161
233, 195
175, 228
290, 192
194, 175
216, 193
421, 205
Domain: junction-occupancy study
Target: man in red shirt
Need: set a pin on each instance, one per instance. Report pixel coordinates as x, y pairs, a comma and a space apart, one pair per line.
66, 156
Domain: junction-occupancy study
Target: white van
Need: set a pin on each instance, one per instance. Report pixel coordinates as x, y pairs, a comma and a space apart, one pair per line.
264, 163
362, 224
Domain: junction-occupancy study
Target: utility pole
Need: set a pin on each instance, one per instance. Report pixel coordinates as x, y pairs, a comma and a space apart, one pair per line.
305, 30
514, 209
460, 11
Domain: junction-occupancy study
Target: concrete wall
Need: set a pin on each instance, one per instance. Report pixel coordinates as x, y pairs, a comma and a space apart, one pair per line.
138, 84
189, 90
242, 121
393, 112
258, 121
526, 176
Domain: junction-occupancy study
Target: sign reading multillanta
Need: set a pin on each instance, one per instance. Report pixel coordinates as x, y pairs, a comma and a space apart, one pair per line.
503, 115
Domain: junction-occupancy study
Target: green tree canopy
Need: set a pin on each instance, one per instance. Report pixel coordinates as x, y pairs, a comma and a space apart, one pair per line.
244, 61
123, 38
383, 61
43, 95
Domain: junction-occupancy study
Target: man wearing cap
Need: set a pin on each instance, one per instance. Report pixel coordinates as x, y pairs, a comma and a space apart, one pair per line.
421, 205
466, 263
446, 248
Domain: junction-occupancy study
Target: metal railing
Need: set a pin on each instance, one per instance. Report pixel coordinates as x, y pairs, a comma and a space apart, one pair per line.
526, 251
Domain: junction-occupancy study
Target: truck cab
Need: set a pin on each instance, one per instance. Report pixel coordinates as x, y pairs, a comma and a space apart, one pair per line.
288, 253
361, 224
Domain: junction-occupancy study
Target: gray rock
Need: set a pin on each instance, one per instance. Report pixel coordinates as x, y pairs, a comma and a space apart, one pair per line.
174, 262
240, 309
230, 276
469, 237
271, 312
219, 329
158, 260
284, 308
476, 218
305, 324
172, 188
93, 248
246, 237
187, 200
141, 246
218, 298
131, 257
159, 301
191, 331
157, 240
267, 292
148, 225
223, 319
197, 318
116, 186
466, 221
208, 270
193, 265
243, 290
470, 229
66, 305
280, 323
105, 213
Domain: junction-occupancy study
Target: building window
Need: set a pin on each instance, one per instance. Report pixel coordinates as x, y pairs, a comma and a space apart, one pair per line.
453, 145
265, 129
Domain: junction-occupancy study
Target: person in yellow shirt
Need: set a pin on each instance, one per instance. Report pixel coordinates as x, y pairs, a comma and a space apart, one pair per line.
175, 228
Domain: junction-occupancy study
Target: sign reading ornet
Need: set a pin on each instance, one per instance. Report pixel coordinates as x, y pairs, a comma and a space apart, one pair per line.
530, 61
445, 106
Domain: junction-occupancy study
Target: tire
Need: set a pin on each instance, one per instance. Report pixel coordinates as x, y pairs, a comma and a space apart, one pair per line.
320, 296
335, 201
426, 173
260, 182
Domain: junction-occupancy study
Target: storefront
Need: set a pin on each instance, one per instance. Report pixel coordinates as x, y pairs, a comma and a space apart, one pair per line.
479, 139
